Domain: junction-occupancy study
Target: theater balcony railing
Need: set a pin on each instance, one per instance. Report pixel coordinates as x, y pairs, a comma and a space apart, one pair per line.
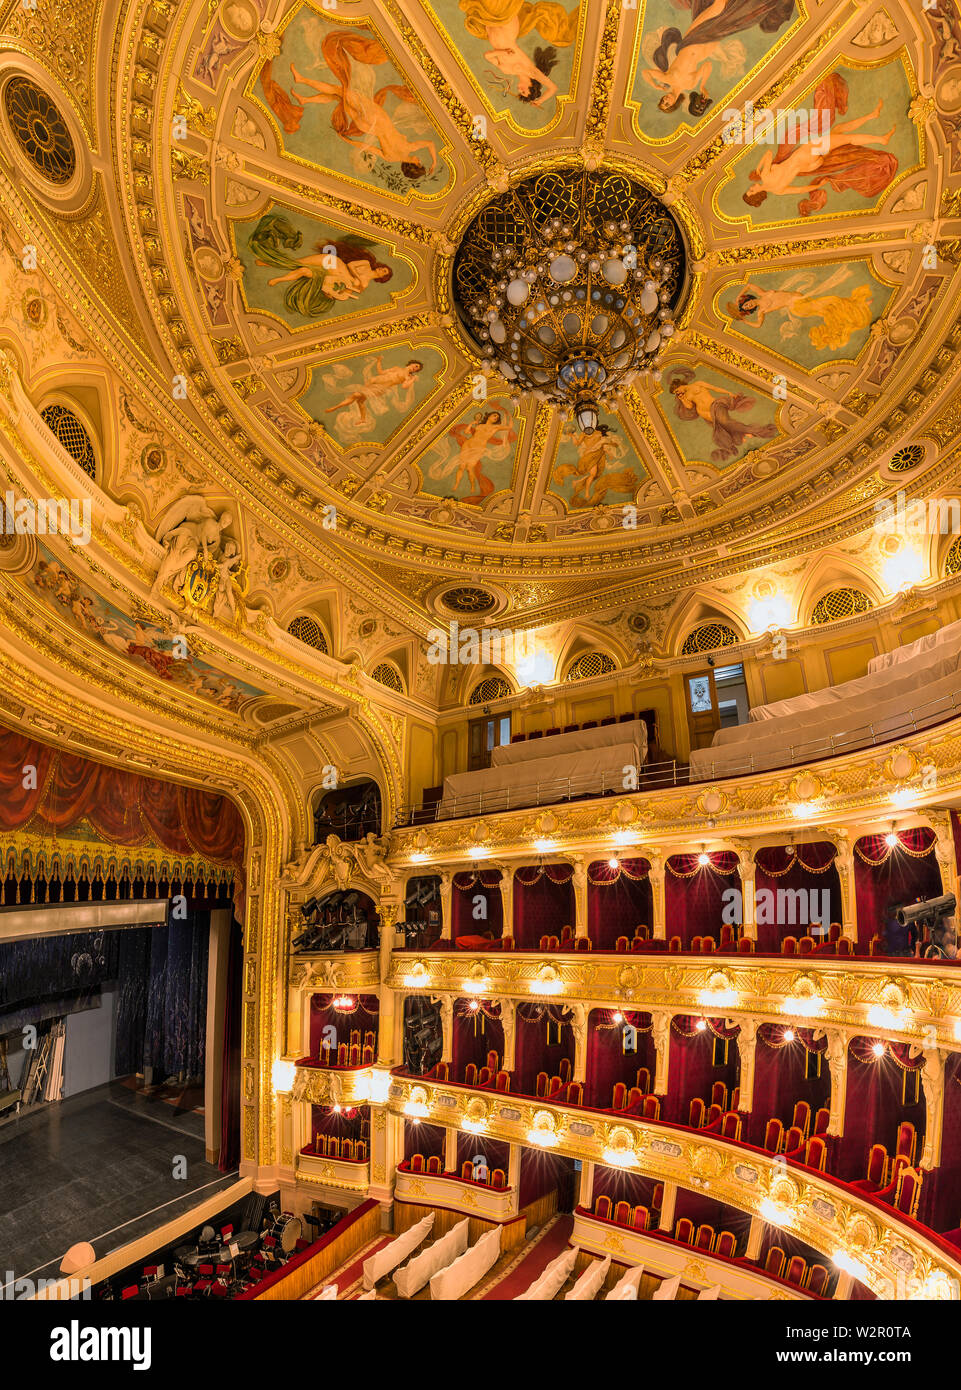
350, 1174
902, 1000
448, 1190
883, 1249
337, 972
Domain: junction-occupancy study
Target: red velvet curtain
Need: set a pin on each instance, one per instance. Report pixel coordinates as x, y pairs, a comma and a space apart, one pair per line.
883, 875
122, 806
691, 1069
874, 1106
543, 1172
693, 895
533, 1051
618, 900
720, 1215
422, 1138
808, 867
622, 1187
940, 1205
543, 903
779, 1080
476, 905
475, 1034
608, 1062
323, 1014
497, 1152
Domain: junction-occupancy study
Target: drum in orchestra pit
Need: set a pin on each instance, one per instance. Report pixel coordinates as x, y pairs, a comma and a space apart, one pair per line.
245, 1240
286, 1231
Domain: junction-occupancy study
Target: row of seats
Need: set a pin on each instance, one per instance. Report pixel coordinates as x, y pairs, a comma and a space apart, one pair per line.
795, 1271
575, 728
330, 1146
353, 1055
640, 1218
434, 1167
705, 1238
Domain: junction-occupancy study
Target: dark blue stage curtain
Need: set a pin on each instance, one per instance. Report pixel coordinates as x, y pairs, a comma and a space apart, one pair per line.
162, 1006
67, 969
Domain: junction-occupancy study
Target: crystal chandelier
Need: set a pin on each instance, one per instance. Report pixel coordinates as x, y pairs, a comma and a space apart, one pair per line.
568, 285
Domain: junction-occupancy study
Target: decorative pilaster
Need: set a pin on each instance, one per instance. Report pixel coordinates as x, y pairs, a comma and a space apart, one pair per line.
837, 1055
514, 1167
386, 1151
945, 855
585, 1189
446, 891
747, 870
507, 901
666, 1219
661, 1033
579, 880
450, 1150
659, 928
579, 1029
446, 1002
844, 863
509, 1022
747, 1048
754, 1238
390, 1003
932, 1080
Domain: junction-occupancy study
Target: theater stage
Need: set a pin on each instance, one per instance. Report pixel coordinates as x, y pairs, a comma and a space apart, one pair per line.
98, 1167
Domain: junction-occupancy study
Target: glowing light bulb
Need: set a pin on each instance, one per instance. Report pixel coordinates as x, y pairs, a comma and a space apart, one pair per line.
878, 1049
618, 1017
282, 1076
703, 860
473, 1006
891, 840
613, 863
788, 1035
700, 1025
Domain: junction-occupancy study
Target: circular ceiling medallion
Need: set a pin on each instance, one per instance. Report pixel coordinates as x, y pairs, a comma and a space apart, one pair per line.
907, 458
568, 284
468, 599
40, 130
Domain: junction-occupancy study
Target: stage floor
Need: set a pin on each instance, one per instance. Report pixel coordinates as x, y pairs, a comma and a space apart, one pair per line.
97, 1167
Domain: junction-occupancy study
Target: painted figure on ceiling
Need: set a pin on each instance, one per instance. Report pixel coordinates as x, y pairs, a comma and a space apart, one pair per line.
467, 446
848, 163
682, 63
594, 472
380, 390
319, 280
698, 400
504, 22
835, 319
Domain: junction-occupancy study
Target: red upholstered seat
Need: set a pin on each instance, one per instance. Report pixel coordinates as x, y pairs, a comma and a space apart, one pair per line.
875, 946
651, 1109
727, 936
564, 1068
643, 1079
789, 946
575, 1093
538, 733
342, 1054
908, 1191
845, 947
674, 945
793, 1139
622, 1213
641, 1219
773, 1134
696, 944
609, 719
657, 1196
642, 931
817, 1280
484, 1076
498, 1178
638, 943
434, 1164
802, 1116
707, 944
347, 1150
467, 1171
354, 1055
554, 1085
745, 946
834, 934
713, 1115
583, 943
726, 1244
719, 1094
518, 738
774, 1263
367, 1057
553, 943
620, 1096
507, 943
907, 1140
735, 1098
540, 1088
549, 733
417, 1163
877, 1169
492, 1060
731, 1126
361, 1151
571, 728
602, 1208
333, 1146
796, 1270
822, 1119
696, 1113
567, 933
705, 1237
635, 1098
684, 1230
816, 1153
502, 1082
470, 1074
544, 943
621, 944
806, 945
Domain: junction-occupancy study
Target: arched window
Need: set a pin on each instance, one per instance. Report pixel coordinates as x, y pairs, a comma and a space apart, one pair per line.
589, 664
708, 637
64, 425
840, 603
309, 631
490, 688
386, 673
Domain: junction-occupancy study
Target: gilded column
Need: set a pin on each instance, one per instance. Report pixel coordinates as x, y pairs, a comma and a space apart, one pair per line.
509, 1021
507, 901
585, 1189
446, 889
747, 870
754, 1237
390, 1003
659, 929
514, 1167
747, 1048
844, 863
665, 1221
661, 1032
450, 1150
579, 879
944, 852
446, 1003
932, 1080
579, 1028
837, 1055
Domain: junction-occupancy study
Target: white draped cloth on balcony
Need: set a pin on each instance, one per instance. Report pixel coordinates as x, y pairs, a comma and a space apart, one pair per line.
707, 1295
463, 1274
626, 1287
668, 1289
394, 1254
540, 771
418, 1271
553, 1279
590, 1283
327, 1294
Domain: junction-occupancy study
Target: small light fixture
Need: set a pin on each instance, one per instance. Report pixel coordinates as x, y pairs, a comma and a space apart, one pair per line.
337, 1107
803, 1005
378, 1087
719, 999
804, 810
891, 840
282, 1076
613, 863
776, 1214
478, 852
473, 1006
620, 1158
701, 1025
415, 1110
788, 1035
476, 987
343, 1003
617, 1017
419, 856
878, 1049
703, 859
542, 1138
543, 846
473, 1126
849, 1265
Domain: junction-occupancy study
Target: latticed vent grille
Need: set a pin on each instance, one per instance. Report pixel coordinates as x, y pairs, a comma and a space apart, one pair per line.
840, 603
952, 561
707, 637
590, 664
388, 675
62, 423
468, 599
907, 458
307, 630
491, 688
40, 130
